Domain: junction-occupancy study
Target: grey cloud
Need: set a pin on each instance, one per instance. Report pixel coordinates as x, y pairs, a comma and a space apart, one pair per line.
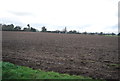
114, 27
8, 20
21, 13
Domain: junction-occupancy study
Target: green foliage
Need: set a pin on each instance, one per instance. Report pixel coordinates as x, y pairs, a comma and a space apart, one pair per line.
28, 25
0, 70
25, 29
33, 29
85, 32
8, 27
118, 34
74, 31
17, 28
44, 29
114, 65
112, 35
11, 71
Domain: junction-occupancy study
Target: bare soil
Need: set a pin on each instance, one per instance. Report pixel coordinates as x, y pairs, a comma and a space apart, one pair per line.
75, 54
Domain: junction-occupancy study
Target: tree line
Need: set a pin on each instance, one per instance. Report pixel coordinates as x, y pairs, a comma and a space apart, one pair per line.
11, 27
44, 29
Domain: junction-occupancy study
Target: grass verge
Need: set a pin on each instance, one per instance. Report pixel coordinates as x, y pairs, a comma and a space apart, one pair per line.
11, 71
114, 65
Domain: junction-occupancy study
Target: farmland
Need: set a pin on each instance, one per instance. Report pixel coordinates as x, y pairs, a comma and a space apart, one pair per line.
76, 54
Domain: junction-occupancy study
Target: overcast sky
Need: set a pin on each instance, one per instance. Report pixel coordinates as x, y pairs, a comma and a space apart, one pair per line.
80, 15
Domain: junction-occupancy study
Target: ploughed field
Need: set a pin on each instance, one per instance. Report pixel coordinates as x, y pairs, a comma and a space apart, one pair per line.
76, 54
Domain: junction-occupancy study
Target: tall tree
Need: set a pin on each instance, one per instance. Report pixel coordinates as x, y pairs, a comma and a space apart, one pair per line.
44, 29
28, 25
101, 33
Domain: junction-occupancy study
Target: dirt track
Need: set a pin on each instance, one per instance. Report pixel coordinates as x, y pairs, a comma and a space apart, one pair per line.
88, 55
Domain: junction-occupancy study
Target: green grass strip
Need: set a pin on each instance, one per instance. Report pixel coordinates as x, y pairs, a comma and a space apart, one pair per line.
11, 71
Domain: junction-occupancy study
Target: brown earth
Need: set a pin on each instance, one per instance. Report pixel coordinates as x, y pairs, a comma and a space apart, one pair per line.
75, 54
